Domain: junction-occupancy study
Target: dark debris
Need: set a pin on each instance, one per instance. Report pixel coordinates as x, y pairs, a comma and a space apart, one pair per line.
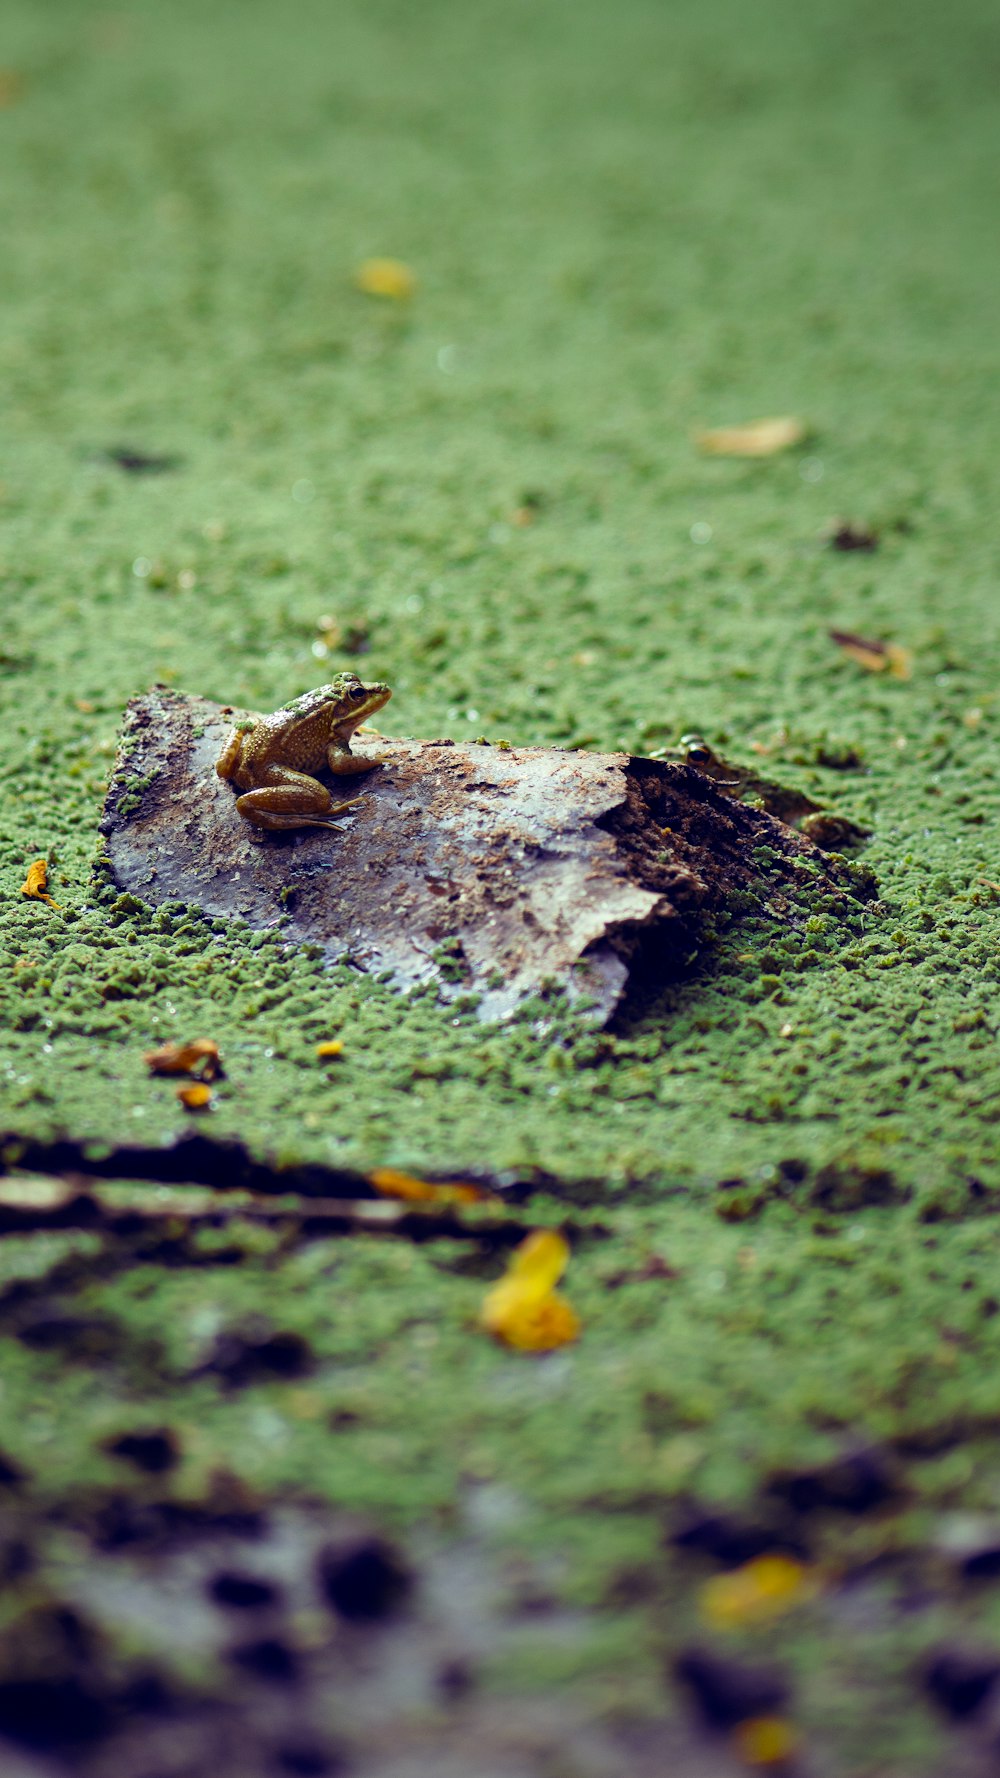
267, 1658
154, 1451
729, 1691
242, 1592
848, 536
730, 1540
135, 462
960, 1679
363, 1580
257, 1353
307, 1759
860, 1481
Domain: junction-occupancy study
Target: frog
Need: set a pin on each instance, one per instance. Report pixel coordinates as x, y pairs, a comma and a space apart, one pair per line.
829, 832
272, 759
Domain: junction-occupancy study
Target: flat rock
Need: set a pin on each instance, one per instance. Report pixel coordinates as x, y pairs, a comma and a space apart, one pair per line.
485, 870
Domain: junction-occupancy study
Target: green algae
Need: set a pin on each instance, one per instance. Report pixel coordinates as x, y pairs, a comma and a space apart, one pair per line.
624, 227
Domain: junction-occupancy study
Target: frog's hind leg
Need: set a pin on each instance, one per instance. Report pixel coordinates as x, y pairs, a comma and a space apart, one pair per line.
291, 799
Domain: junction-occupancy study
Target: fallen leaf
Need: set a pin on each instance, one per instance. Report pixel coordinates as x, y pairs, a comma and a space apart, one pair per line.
759, 1591
36, 883
759, 438
537, 1326
385, 277
393, 1184
325, 1050
875, 656
765, 1740
199, 1057
195, 1098
524, 1310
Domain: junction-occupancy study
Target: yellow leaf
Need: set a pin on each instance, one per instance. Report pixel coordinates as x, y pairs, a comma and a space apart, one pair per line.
201, 1057
873, 655
36, 883
759, 438
765, 1740
760, 1590
325, 1050
536, 1326
524, 1310
540, 1260
385, 277
393, 1184
195, 1098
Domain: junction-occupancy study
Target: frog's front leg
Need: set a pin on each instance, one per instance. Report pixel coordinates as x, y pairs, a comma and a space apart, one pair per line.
284, 798
229, 758
345, 764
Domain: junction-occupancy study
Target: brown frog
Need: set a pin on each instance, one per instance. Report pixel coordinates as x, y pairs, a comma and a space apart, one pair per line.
271, 759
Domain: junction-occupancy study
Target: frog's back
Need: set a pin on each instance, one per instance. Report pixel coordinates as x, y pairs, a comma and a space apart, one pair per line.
309, 703
294, 736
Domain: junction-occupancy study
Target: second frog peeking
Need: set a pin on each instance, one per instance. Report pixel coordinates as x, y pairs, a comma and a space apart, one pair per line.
272, 758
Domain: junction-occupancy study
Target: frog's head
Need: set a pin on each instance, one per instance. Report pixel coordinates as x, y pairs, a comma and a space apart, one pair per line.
353, 701
694, 750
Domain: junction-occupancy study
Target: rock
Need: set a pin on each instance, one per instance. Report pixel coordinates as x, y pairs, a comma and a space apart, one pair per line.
488, 871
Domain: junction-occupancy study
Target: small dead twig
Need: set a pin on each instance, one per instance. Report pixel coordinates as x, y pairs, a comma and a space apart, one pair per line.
29, 1205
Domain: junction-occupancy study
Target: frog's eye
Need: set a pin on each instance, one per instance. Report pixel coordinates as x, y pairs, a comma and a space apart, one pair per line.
357, 690
698, 753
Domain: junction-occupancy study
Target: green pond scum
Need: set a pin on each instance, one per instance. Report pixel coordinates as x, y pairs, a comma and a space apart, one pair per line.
226, 468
